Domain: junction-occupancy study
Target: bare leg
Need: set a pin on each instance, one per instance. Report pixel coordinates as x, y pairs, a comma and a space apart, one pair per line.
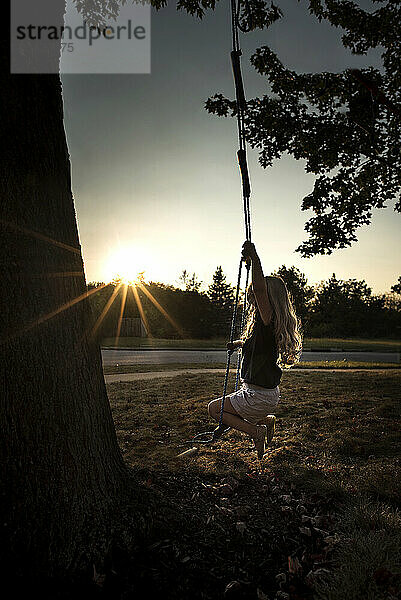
230, 417
270, 422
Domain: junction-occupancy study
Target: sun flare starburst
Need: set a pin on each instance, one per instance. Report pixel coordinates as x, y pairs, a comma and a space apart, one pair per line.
124, 266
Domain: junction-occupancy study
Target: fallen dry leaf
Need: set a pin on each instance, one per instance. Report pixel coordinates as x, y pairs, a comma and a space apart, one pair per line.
241, 527
294, 566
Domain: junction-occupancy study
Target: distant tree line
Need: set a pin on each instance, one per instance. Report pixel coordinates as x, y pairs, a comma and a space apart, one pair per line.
333, 308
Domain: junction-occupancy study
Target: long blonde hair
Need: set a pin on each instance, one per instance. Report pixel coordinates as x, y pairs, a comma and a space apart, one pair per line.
287, 326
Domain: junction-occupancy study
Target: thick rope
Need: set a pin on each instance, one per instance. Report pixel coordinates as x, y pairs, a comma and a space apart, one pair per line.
229, 352
209, 437
246, 188
242, 325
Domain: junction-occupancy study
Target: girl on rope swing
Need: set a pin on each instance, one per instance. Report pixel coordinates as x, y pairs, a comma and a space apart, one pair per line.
271, 340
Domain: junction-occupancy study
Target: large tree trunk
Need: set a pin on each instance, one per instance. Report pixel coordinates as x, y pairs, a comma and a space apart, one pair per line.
61, 465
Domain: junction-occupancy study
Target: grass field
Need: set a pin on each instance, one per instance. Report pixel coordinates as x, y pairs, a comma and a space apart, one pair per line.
318, 518
309, 343
324, 364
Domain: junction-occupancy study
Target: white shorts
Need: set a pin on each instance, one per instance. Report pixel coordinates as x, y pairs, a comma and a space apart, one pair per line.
254, 403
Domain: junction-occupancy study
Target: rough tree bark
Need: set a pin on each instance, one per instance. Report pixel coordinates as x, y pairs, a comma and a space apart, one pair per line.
62, 470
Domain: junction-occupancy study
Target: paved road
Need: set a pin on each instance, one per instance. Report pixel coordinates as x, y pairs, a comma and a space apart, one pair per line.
159, 357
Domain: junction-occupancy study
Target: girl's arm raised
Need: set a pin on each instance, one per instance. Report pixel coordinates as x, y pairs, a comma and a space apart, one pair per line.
259, 286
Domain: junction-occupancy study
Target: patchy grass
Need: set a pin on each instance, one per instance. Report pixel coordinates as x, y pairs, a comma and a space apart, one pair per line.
368, 561
362, 344
308, 343
318, 518
345, 364
323, 364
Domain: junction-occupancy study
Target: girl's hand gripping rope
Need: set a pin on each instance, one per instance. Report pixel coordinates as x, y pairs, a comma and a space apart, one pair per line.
248, 251
232, 346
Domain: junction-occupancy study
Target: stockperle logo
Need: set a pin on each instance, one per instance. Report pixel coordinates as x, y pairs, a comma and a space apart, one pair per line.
43, 41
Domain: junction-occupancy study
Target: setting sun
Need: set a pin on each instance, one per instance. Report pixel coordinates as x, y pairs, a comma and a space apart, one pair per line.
126, 264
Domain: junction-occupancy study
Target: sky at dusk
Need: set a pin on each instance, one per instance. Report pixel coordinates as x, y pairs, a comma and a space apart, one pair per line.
155, 177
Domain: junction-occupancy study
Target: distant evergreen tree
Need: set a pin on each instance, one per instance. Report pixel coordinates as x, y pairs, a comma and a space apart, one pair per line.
297, 285
221, 294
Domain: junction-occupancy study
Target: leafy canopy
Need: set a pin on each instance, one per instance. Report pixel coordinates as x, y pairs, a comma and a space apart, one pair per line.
396, 288
346, 126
